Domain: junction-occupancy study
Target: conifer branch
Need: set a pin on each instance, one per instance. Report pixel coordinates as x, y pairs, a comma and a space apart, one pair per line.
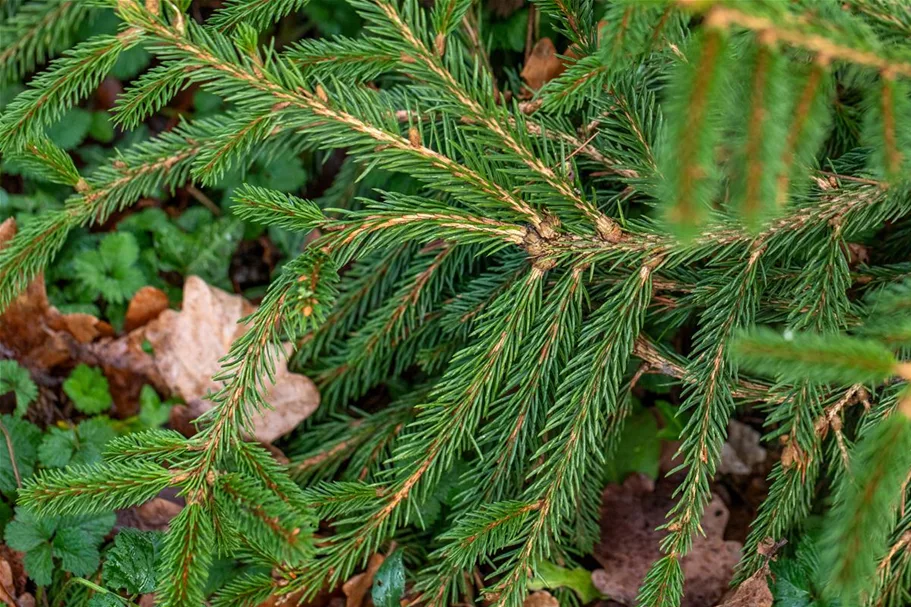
256, 13
70, 78
36, 33
606, 228
805, 34
711, 401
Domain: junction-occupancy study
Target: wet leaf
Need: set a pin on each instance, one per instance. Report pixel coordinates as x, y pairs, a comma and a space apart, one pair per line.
389, 582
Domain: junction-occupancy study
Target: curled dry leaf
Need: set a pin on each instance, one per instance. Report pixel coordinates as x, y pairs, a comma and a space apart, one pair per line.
187, 347
153, 515
7, 592
542, 598
753, 592
543, 65
357, 588
631, 514
145, 306
37, 333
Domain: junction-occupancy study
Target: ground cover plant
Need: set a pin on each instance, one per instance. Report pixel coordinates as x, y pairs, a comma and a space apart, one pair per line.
508, 243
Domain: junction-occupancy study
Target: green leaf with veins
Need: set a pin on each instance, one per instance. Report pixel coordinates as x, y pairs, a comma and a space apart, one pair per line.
87, 387
70, 130
74, 540
107, 599
111, 271
152, 412
578, 580
389, 582
82, 444
131, 563
16, 379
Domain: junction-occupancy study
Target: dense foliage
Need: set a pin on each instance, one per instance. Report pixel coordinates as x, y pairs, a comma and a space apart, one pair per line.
476, 325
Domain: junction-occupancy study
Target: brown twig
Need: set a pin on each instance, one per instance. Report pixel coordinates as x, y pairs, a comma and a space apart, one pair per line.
12, 454
204, 200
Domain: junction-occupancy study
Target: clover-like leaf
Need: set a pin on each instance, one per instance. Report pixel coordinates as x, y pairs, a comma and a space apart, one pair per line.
16, 379
88, 388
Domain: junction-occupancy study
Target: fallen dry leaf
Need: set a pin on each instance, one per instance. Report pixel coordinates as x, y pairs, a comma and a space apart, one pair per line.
18, 578
358, 586
753, 592
294, 600
543, 65
187, 347
629, 543
742, 452
154, 515
542, 598
7, 592
146, 305
38, 334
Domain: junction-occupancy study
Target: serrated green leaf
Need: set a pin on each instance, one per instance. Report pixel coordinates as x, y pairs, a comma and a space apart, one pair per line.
106, 599
111, 271
6, 515
39, 564
77, 551
94, 527
88, 388
389, 581
26, 531
130, 63
152, 412
16, 379
83, 444
670, 415
71, 130
57, 448
131, 562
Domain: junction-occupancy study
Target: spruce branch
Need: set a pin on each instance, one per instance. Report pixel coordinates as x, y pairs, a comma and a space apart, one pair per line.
824, 359
518, 413
70, 78
148, 94
367, 284
864, 510
37, 32
806, 33
711, 402
357, 60
187, 553
442, 429
94, 489
433, 68
394, 146
258, 14
588, 396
